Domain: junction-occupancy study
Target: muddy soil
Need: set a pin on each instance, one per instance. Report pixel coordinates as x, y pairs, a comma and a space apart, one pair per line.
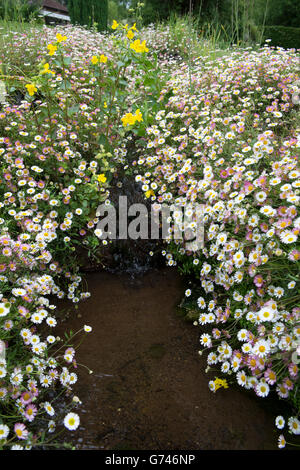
148, 390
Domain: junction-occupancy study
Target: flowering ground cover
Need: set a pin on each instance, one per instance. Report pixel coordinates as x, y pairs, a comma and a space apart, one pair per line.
220, 131
227, 139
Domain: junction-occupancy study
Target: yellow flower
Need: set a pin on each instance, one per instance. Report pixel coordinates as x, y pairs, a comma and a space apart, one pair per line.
138, 115
94, 60
31, 88
139, 46
61, 38
102, 178
134, 27
105, 104
220, 383
128, 119
149, 193
143, 46
115, 24
103, 59
130, 34
52, 49
47, 70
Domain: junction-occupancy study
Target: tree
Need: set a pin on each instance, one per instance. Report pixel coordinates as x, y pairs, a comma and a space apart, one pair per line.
19, 10
117, 10
89, 13
283, 13
113, 11
158, 10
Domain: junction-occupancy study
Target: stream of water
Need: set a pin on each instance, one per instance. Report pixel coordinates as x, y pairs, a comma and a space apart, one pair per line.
149, 389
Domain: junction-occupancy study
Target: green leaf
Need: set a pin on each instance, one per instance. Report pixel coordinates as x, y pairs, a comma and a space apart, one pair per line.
103, 140
67, 60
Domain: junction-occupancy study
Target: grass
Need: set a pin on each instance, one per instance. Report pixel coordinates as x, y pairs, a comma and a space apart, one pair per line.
20, 26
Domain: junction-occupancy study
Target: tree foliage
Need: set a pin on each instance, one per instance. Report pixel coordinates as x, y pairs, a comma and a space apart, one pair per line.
89, 13
284, 13
117, 10
272, 12
19, 10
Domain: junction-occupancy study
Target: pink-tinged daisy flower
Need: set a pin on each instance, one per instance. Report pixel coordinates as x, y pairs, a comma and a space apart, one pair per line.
30, 412
293, 369
26, 397
287, 382
282, 391
21, 431
216, 333
270, 376
294, 255
258, 280
252, 362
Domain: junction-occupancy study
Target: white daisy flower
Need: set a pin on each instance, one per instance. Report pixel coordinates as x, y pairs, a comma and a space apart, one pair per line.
294, 425
4, 431
262, 389
279, 422
71, 421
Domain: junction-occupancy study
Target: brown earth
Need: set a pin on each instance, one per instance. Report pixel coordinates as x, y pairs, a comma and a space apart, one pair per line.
148, 390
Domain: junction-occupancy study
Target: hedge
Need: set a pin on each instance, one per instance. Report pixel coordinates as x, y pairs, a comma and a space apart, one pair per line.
282, 36
89, 13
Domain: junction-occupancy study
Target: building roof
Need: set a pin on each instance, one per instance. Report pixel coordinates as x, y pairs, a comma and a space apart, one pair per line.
53, 5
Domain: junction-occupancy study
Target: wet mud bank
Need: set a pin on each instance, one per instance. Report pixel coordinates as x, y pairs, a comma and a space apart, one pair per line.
149, 389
